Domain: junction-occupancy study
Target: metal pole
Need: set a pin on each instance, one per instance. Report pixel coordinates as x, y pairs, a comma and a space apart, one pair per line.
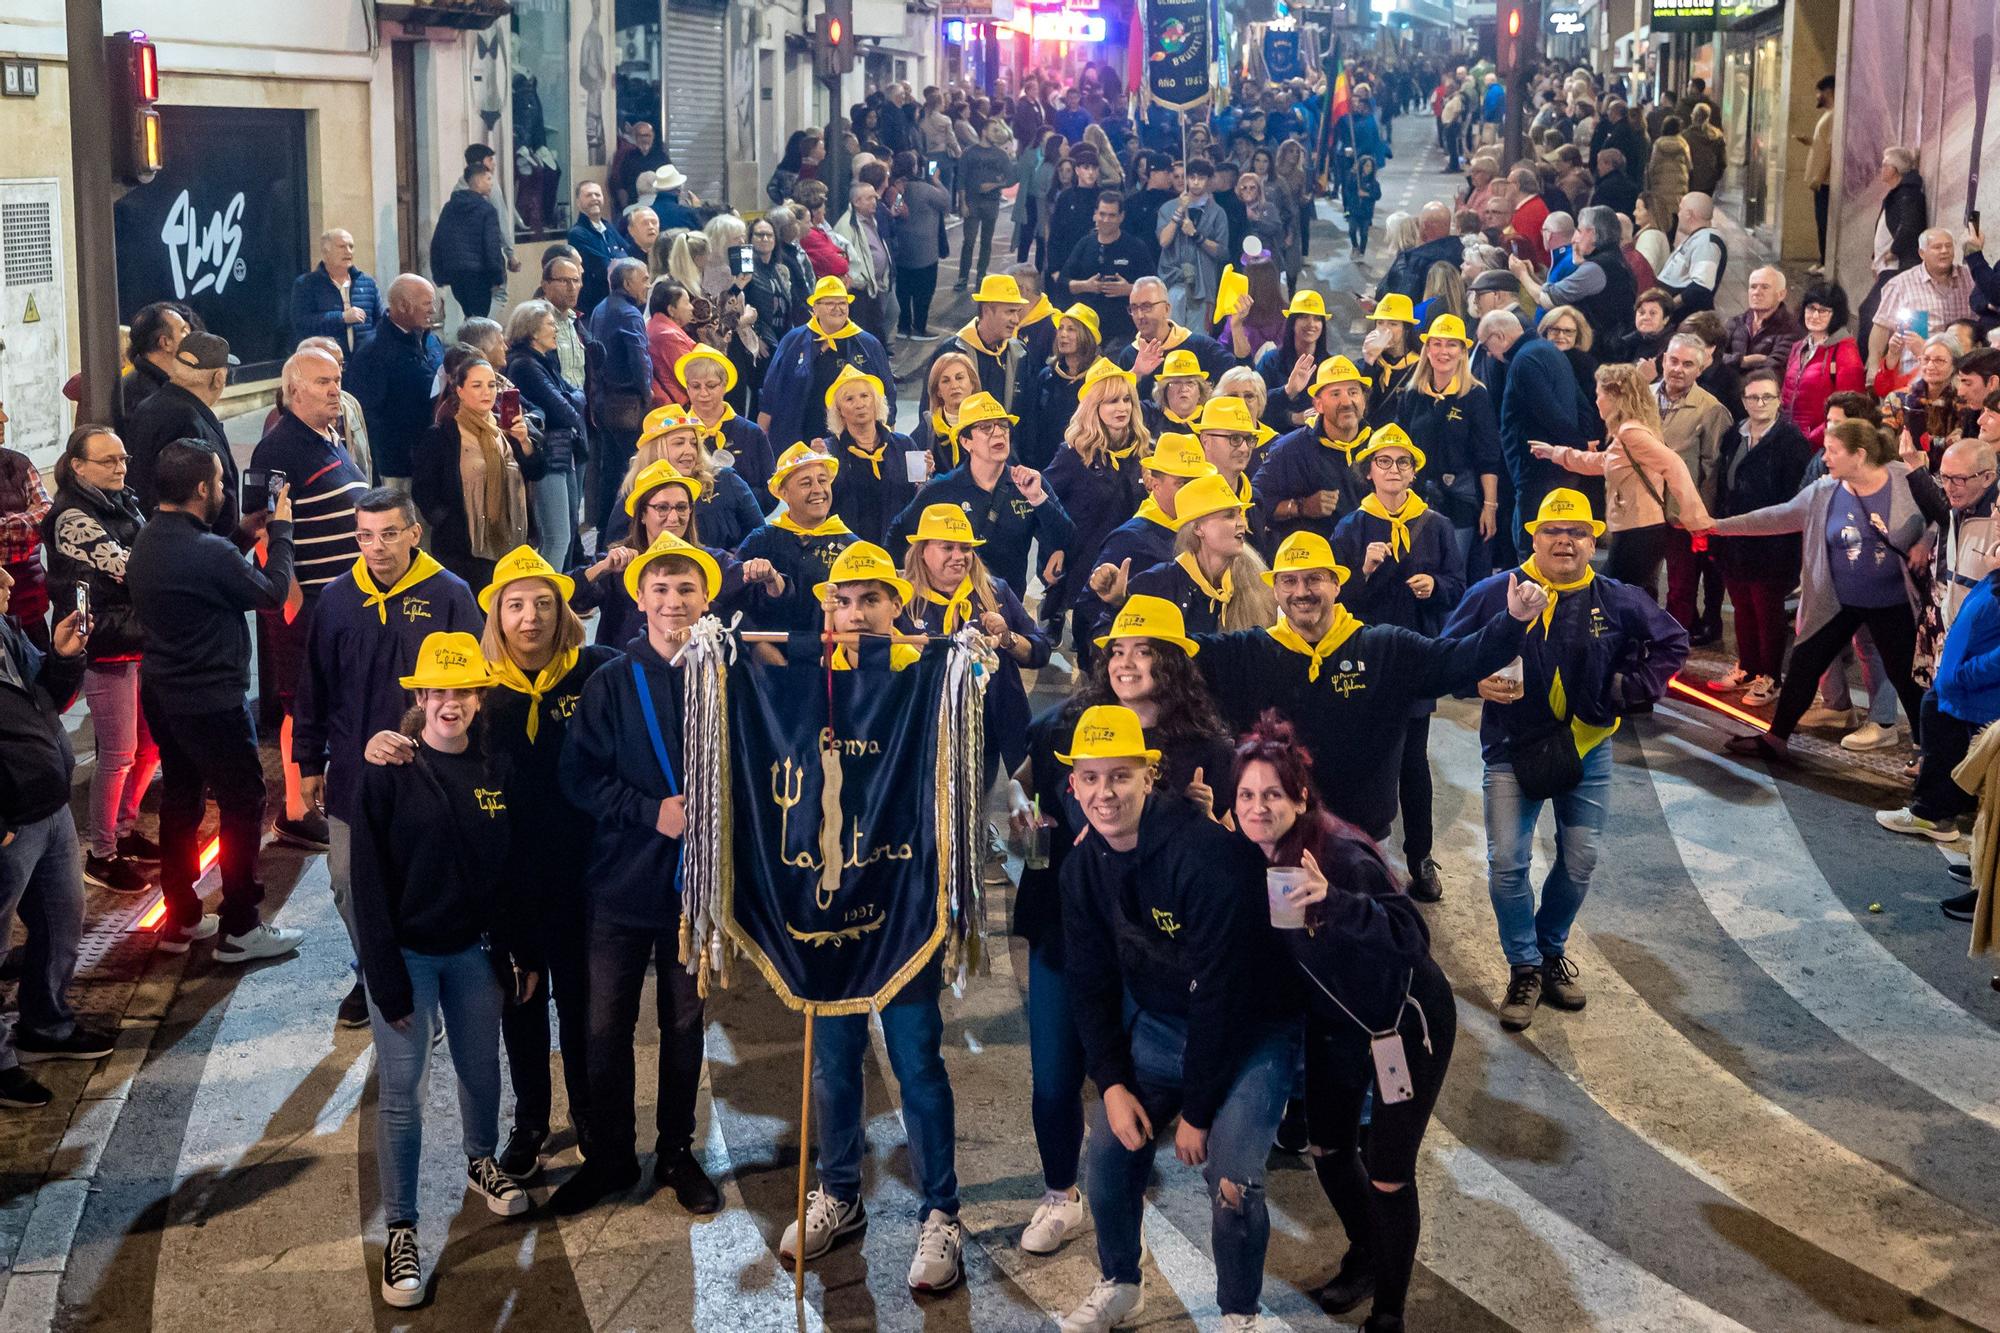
94, 193
805, 1149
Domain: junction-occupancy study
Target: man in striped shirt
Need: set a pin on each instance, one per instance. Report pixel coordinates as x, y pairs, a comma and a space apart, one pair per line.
325, 483
1938, 286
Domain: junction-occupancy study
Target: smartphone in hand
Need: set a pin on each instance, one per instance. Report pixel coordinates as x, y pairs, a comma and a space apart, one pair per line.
507, 408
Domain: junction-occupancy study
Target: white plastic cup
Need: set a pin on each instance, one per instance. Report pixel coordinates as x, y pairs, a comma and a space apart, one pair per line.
914, 465
1513, 672
1278, 881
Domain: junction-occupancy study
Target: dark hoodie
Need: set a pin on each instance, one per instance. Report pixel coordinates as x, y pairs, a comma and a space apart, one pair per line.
35, 758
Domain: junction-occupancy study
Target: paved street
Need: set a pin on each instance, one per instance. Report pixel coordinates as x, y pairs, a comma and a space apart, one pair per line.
1779, 1111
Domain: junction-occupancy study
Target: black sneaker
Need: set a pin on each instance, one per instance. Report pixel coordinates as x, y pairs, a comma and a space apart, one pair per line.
593, 1181
1353, 1284
402, 1268
1959, 870
1560, 986
138, 847
353, 1011
18, 1088
521, 1157
116, 873
682, 1174
485, 1178
1425, 886
1524, 992
1291, 1136
308, 831
1960, 908
81, 1044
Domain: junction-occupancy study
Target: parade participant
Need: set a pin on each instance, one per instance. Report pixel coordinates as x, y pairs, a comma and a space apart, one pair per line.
367, 628
1410, 575
1348, 687
1170, 962
863, 594
1008, 505
1387, 355
1212, 578
1058, 386
988, 338
727, 511
1307, 476
1364, 957
1156, 334
729, 440
1230, 434
1288, 368
951, 380
800, 542
951, 589
874, 485
1097, 475
622, 762
1145, 539
1451, 419
1145, 664
1599, 650
437, 917
1179, 390
808, 360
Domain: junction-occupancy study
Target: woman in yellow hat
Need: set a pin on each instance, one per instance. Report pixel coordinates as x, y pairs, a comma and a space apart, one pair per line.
1214, 575
1097, 476
1179, 390
873, 485
1453, 420
728, 512
1287, 369
801, 541
1053, 402
439, 917
808, 359
1149, 669
1388, 354
729, 440
951, 380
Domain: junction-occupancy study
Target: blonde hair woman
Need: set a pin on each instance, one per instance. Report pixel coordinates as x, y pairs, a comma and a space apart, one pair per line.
1566, 328
728, 511
687, 258
1110, 174
1646, 485
953, 379
1214, 575
873, 483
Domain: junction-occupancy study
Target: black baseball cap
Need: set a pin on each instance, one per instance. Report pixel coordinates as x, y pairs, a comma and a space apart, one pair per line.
205, 351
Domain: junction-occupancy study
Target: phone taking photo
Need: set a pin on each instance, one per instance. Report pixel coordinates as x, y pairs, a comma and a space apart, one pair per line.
742, 260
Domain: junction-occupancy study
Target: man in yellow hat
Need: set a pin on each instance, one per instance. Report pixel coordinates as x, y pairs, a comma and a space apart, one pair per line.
989, 337
366, 629
806, 362
1348, 688
1141, 541
1229, 436
1011, 510
1101, 267
1164, 910
1407, 572
1157, 332
800, 542
1307, 476
1598, 650
623, 760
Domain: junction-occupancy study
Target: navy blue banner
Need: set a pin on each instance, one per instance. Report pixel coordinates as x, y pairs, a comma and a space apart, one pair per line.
1281, 55
1180, 46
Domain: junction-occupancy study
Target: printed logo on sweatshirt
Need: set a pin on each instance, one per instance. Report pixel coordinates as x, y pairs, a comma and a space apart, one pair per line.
565, 706
416, 608
492, 803
1164, 923
1350, 678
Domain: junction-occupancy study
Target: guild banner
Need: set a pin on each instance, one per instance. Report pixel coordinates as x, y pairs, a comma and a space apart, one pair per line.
1282, 60
841, 825
1180, 44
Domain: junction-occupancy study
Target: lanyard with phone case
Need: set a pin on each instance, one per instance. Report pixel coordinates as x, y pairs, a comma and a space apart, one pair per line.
1392, 1065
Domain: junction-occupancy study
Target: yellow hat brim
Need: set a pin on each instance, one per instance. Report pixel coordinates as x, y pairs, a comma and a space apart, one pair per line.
450, 680
1596, 525
1188, 646
821, 591
1150, 756
925, 534
1339, 572
565, 587
784, 470
711, 572
709, 354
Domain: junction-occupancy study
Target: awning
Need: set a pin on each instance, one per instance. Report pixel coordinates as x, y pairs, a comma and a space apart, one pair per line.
466, 15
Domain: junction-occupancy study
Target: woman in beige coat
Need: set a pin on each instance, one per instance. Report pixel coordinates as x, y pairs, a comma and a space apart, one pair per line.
1667, 173
1647, 487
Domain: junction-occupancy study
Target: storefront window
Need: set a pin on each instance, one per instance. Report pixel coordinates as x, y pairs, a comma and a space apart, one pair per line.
539, 57
638, 65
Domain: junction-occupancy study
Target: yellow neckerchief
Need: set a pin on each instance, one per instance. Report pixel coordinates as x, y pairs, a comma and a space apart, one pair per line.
1185, 422
1347, 447
1217, 597
945, 431
1586, 736
1064, 375
1150, 510
1449, 391
969, 335
1243, 491
1387, 368
508, 673
832, 527
1399, 524
1342, 629
711, 436
420, 569
1118, 456
874, 460
957, 607
829, 342
1176, 335
900, 656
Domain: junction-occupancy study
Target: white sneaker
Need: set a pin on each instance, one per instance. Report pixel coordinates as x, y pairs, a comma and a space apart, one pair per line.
402, 1269
1242, 1323
1108, 1305
937, 1265
1902, 821
176, 939
262, 940
1059, 1216
827, 1220
1729, 681
1819, 715
1763, 690
1869, 736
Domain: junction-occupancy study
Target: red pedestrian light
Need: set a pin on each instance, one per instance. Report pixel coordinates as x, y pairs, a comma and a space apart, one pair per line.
1513, 23
133, 64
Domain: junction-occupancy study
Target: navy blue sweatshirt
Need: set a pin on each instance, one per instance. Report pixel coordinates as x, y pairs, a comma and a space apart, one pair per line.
36, 764
1097, 497
609, 769
550, 831
1460, 437
868, 494
1384, 597
1001, 517
805, 562
1300, 463
1145, 542
618, 617
1169, 579
1214, 358
190, 589
1007, 697
351, 684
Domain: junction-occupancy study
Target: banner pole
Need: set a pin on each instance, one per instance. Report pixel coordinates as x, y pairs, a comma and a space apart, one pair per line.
805, 1146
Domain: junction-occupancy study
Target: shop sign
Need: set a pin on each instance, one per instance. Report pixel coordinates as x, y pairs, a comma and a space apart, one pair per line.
1566, 23
1687, 15
1180, 47
1063, 26
222, 227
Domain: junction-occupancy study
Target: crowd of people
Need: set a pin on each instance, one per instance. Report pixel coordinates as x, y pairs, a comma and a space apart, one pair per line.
1265, 550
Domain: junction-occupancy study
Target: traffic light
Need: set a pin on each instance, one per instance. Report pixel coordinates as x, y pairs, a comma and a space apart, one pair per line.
1509, 54
134, 67
833, 39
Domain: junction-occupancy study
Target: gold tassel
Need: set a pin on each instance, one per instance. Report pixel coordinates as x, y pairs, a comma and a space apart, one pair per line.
829, 823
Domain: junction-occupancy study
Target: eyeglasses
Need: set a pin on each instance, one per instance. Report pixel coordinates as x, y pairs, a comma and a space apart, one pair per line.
1395, 464
669, 509
1760, 398
386, 537
1141, 307
1575, 534
1950, 480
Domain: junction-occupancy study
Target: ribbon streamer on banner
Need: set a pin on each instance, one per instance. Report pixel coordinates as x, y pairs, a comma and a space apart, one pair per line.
961, 775
707, 859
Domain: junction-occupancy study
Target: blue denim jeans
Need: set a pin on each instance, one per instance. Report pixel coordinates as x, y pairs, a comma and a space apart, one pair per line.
462, 984
1239, 1141
911, 1029
1835, 692
553, 501
126, 755
1529, 934
41, 881
1055, 1055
